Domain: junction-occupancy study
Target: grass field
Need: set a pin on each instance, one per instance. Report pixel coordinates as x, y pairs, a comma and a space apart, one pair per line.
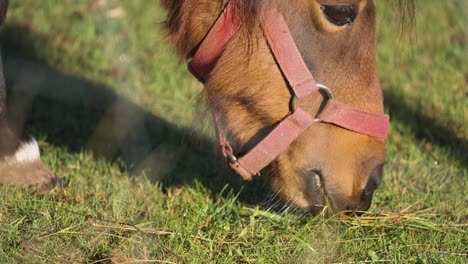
99, 86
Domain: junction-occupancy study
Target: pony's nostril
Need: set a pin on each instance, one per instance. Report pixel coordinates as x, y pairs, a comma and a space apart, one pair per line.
366, 200
315, 192
315, 182
376, 176
375, 180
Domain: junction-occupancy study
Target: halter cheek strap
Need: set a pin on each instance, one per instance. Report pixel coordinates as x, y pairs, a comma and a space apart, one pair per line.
213, 45
300, 80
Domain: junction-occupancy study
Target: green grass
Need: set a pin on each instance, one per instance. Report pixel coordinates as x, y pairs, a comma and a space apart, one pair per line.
108, 99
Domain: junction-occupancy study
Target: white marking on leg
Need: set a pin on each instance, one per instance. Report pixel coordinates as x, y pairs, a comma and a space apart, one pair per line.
28, 151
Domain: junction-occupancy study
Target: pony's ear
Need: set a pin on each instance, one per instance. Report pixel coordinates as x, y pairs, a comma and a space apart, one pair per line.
3, 11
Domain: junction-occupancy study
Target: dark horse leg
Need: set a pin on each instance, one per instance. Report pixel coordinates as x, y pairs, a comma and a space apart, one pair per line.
20, 161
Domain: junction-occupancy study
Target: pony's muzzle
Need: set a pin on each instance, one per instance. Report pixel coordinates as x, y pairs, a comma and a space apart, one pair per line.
320, 199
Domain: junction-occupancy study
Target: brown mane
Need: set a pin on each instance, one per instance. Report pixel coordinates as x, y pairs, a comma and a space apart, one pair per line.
249, 11
176, 22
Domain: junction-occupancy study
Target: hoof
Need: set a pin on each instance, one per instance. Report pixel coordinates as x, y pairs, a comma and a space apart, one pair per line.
25, 168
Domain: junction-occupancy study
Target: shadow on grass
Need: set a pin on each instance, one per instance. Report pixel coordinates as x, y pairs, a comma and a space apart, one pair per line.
80, 115
425, 128
77, 115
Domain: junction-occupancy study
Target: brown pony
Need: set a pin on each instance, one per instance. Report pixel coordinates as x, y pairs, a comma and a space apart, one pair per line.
325, 165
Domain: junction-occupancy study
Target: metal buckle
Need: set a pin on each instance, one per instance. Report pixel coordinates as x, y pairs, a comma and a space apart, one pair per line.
321, 87
231, 157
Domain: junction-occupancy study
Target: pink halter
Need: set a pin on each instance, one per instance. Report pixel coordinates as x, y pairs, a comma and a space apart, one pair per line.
300, 80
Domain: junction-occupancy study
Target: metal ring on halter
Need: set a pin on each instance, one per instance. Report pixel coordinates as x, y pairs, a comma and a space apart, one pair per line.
321, 87
293, 106
231, 157
327, 90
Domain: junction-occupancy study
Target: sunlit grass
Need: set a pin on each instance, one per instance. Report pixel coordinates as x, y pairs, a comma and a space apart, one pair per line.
114, 102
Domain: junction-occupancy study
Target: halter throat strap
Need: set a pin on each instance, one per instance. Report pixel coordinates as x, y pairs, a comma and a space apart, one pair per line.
298, 77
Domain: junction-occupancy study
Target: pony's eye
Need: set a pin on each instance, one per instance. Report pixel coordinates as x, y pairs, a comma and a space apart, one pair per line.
340, 15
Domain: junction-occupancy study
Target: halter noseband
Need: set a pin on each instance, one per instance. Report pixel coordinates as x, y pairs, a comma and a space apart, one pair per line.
300, 80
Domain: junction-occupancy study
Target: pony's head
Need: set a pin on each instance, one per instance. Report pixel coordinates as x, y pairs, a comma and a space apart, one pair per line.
326, 164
